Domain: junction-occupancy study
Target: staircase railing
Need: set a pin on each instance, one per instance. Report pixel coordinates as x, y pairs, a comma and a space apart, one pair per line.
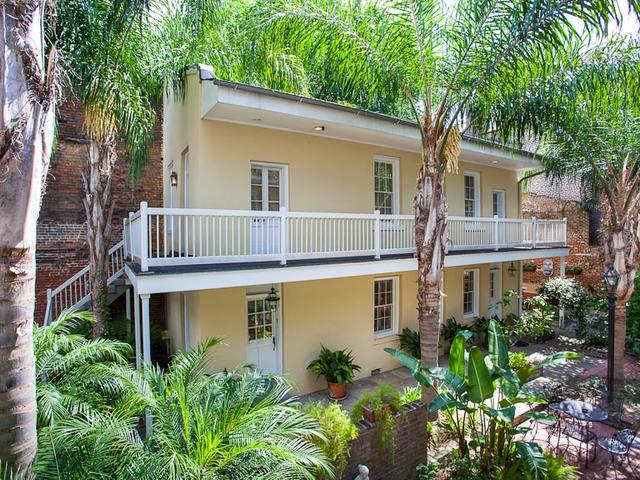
77, 289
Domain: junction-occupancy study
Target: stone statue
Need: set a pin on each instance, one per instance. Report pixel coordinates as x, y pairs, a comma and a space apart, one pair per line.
363, 473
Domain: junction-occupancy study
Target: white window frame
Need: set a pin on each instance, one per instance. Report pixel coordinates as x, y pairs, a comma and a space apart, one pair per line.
476, 293
284, 181
395, 184
477, 206
395, 310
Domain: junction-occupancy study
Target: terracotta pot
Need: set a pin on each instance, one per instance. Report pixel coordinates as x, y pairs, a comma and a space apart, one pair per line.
370, 415
337, 391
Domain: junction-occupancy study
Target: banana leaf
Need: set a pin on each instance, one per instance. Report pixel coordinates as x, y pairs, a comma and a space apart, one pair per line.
480, 384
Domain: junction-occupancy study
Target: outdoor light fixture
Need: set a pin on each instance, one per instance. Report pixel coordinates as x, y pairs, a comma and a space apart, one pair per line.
512, 270
174, 179
319, 128
272, 299
611, 278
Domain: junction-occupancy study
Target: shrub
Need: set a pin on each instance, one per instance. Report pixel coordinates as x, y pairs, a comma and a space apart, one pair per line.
518, 360
538, 317
410, 342
633, 320
428, 471
592, 329
465, 468
450, 328
338, 430
568, 293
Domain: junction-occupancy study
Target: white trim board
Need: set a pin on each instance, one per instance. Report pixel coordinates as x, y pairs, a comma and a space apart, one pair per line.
185, 281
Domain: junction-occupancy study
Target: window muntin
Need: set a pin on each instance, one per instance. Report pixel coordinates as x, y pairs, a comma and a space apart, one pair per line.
385, 307
470, 293
259, 320
471, 194
385, 185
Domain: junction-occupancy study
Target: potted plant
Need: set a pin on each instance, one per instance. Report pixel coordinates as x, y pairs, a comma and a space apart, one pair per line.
379, 406
529, 266
337, 368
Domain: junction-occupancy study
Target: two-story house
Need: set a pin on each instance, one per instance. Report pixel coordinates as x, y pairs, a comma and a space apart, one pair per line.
267, 190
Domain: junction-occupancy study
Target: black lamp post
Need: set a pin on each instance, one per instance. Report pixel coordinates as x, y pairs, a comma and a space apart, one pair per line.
611, 278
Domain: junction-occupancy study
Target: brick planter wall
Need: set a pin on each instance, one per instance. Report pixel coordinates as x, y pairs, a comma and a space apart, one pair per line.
589, 257
61, 235
411, 448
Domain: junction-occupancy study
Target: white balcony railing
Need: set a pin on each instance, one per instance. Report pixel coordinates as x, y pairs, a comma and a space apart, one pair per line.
181, 236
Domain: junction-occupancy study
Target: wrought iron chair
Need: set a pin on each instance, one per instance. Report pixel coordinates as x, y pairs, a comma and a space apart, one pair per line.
549, 419
619, 445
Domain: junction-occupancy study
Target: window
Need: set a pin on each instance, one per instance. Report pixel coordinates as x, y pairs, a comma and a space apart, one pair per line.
470, 293
268, 185
471, 194
259, 320
385, 185
385, 307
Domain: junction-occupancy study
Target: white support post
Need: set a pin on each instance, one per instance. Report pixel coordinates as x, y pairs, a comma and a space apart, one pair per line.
144, 233
146, 352
47, 314
283, 235
376, 234
125, 234
520, 286
187, 322
127, 302
136, 328
534, 231
564, 228
563, 271
495, 232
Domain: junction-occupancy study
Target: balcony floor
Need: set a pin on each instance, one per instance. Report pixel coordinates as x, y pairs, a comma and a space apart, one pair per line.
252, 265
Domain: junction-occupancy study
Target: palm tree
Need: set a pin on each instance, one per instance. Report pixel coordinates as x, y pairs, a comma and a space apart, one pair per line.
433, 59
120, 74
228, 425
27, 103
593, 135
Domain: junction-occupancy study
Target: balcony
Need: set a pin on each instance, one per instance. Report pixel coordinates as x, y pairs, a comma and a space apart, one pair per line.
163, 237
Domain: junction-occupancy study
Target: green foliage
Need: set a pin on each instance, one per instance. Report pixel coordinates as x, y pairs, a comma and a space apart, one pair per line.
535, 321
593, 328
336, 366
568, 293
450, 328
517, 360
633, 319
411, 395
410, 342
479, 402
231, 425
529, 266
464, 468
428, 471
383, 401
574, 269
338, 431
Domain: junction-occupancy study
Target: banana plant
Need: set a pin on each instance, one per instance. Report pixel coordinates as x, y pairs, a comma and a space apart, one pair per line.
477, 395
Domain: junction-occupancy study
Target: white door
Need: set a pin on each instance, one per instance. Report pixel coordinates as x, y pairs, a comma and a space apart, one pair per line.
263, 335
495, 292
267, 195
498, 202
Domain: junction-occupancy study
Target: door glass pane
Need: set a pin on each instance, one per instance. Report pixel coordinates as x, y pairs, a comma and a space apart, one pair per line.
259, 321
274, 177
256, 189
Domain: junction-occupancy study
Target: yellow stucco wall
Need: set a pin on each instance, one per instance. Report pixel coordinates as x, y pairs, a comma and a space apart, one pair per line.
337, 313
325, 175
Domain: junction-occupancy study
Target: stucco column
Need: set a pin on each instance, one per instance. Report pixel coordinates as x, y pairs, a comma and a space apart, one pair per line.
136, 328
146, 353
563, 268
187, 322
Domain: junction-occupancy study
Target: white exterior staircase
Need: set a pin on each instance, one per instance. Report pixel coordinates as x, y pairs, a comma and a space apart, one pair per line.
75, 292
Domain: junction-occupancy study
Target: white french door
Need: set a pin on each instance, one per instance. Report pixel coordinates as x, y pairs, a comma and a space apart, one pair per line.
263, 335
268, 185
495, 292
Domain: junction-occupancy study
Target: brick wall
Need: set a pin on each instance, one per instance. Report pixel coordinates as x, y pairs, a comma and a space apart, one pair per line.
61, 241
588, 257
411, 448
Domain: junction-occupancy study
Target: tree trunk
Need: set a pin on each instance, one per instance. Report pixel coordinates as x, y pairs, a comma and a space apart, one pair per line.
27, 98
430, 214
98, 204
621, 252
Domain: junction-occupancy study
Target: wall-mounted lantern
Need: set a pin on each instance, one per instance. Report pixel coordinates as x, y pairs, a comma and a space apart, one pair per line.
272, 299
174, 179
512, 270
